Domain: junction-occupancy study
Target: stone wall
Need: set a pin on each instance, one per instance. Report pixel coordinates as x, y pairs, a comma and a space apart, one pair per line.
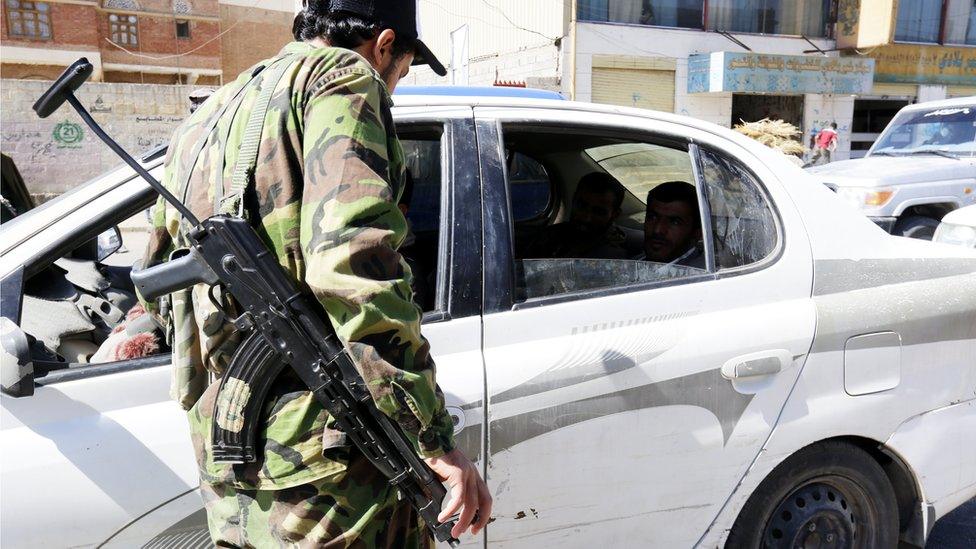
60, 152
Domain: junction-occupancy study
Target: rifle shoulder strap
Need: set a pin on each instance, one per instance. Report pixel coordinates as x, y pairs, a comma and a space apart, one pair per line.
233, 203
210, 126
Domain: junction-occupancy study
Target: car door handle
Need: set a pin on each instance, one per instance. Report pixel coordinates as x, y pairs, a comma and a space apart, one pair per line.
762, 363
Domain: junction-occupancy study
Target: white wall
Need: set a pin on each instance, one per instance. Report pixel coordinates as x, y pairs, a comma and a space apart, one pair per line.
530, 63
508, 40
494, 26
820, 110
932, 93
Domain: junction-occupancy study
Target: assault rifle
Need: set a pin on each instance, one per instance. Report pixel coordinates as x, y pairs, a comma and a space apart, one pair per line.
284, 327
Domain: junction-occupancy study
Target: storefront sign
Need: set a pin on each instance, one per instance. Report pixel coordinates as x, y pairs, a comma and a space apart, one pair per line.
725, 71
914, 64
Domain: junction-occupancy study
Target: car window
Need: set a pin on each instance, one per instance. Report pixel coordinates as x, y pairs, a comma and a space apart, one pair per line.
642, 166
948, 130
602, 233
743, 226
82, 309
530, 187
422, 158
421, 203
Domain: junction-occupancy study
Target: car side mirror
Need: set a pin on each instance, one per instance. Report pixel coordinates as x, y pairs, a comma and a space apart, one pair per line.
109, 242
16, 367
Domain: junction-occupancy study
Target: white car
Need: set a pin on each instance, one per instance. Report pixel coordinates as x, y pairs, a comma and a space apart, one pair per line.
922, 166
958, 227
815, 380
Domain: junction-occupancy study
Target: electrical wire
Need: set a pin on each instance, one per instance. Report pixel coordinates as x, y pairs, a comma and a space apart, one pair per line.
514, 24
511, 24
627, 44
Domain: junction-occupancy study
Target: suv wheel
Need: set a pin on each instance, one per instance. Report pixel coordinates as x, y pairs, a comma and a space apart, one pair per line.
831, 494
916, 226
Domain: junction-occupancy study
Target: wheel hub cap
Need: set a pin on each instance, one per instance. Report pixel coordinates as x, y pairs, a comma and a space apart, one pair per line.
814, 516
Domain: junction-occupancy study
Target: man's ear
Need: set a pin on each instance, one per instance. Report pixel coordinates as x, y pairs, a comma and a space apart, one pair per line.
383, 47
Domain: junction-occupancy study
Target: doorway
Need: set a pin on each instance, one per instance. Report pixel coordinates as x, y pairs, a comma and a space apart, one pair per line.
753, 107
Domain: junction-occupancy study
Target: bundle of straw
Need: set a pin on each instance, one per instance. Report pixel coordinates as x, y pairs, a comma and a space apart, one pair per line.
775, 134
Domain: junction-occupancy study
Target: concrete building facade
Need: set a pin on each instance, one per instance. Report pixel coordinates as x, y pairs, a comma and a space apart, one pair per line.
136, 41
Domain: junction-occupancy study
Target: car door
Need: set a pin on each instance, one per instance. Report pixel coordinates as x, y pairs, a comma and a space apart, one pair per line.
106, 446
96, 445
624, 413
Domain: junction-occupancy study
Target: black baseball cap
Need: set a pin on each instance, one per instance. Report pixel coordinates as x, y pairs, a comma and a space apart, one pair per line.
398, 15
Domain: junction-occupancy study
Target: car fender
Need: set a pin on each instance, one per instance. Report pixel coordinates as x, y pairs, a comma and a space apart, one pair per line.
821, 404
922, 201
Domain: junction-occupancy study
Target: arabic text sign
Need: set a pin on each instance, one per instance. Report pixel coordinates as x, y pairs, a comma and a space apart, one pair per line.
766, 73
914, 64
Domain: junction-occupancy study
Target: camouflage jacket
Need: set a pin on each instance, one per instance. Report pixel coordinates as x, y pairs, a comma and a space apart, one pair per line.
324, 199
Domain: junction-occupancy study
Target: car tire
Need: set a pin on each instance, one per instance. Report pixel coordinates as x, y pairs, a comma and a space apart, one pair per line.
916, 226
830, 494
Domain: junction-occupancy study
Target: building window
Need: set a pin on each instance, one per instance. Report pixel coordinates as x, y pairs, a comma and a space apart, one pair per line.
29, 19
183, 29
960, 27
124, 29
663, 13
918, 21
800, 17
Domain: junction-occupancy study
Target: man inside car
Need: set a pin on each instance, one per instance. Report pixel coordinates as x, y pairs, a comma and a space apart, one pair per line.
672, 226
590, 232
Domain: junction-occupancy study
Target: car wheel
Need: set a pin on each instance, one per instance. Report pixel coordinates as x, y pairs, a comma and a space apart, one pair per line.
916, 226
831, 494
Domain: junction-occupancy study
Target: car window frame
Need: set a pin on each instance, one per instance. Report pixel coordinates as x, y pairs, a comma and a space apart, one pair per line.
778, 249
500, 277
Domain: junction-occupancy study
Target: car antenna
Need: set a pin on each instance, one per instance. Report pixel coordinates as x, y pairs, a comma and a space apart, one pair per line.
63, 90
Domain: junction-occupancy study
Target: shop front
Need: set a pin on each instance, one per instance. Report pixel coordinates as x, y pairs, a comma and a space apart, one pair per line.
805, 90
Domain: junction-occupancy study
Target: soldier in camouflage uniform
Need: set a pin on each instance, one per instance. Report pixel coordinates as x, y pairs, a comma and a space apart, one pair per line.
324, 199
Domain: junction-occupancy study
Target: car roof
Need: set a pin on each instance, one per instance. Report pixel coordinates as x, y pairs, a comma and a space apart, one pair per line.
518, 103
478, 91
942, 103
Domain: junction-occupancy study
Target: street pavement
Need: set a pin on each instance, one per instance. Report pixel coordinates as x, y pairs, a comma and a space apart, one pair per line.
957, 530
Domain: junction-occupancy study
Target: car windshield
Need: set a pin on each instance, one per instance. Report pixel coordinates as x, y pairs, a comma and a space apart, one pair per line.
946, 130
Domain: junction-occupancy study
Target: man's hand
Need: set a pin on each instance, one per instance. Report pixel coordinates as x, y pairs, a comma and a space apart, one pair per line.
469, 493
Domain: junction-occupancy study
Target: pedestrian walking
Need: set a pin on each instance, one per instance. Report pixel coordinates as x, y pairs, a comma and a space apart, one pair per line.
826, 143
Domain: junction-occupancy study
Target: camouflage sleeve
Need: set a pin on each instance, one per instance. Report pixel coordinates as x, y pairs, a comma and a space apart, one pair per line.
350, 231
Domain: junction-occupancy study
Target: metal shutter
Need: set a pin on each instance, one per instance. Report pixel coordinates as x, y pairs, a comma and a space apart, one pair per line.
960, 91
893, 90
643, 88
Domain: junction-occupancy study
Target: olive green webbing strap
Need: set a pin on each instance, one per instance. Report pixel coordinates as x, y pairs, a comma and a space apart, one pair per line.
211, 125
233, 203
